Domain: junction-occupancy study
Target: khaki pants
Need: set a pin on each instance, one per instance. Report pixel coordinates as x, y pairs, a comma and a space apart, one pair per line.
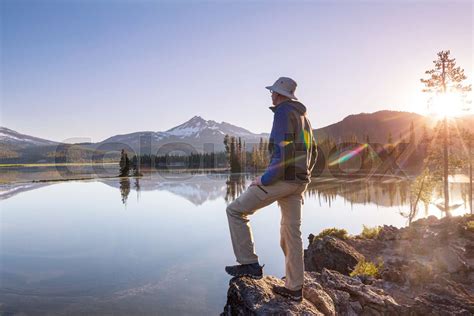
290, 197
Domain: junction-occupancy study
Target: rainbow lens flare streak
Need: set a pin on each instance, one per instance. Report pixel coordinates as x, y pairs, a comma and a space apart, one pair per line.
349, 155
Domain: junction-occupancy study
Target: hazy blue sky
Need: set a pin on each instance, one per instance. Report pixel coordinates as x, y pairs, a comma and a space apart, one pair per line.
98, 68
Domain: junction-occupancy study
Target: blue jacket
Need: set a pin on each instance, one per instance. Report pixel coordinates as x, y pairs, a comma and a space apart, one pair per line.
292, 145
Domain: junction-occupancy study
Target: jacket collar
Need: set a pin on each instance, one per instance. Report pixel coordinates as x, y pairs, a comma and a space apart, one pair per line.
275, 107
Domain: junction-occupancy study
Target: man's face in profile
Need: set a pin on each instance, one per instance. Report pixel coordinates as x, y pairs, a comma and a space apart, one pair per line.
274, 97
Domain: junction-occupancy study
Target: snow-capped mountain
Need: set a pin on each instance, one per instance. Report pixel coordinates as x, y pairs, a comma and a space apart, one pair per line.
196, 132
18, 140
197, 126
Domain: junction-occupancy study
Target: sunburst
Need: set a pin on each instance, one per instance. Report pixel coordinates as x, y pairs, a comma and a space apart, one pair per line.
447, 104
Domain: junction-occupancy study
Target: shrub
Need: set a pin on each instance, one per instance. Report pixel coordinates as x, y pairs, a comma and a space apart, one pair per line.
370, 232
367, 268
335, 232
470, 226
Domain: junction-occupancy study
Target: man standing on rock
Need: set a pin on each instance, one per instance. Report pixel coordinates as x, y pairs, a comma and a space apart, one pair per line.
285, 180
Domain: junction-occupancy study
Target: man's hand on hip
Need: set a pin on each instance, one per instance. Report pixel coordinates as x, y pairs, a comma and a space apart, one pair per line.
256, 181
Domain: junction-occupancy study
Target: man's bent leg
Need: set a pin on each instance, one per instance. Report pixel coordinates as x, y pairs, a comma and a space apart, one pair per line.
254, 198
290, 239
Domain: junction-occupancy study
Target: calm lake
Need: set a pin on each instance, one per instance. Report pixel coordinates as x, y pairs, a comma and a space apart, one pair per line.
159, 244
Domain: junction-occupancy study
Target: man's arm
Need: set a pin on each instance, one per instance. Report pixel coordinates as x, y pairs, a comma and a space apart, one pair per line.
314, 153
280, 128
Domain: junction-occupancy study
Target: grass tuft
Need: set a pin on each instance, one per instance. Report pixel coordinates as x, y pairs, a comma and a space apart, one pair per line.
335, 232
367, 268
470, 226
370, 232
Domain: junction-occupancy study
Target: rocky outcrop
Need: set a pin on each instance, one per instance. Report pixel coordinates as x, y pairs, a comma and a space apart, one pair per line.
326, 293
427, 266
428, 269
247, 296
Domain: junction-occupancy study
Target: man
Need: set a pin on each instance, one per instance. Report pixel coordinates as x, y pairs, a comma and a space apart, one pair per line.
285, 180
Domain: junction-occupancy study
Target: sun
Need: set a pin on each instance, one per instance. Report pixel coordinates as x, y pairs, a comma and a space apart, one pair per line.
447, 104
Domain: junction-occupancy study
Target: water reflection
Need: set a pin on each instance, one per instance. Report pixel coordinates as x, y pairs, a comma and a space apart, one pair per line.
124, 189
387, 193
75, 248
201, 188
235, 186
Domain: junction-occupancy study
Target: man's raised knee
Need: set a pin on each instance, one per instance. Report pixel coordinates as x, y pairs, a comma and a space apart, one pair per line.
231, 209
234, 209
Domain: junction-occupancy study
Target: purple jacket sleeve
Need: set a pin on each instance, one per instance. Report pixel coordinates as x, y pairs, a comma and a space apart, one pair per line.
280, 127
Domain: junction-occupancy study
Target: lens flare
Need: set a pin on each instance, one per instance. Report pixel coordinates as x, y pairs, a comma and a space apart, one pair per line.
349, 155
446, 105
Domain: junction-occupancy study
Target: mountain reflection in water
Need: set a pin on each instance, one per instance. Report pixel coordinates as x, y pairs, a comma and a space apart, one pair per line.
158, 244
385, 192
200, 188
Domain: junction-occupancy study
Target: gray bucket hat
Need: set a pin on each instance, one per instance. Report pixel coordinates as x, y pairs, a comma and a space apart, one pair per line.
284, 86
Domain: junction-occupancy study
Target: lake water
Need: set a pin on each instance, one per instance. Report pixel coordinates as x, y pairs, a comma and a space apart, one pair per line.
158, 245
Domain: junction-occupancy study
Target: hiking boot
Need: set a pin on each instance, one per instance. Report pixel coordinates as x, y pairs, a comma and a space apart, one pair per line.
293, 295
253, 270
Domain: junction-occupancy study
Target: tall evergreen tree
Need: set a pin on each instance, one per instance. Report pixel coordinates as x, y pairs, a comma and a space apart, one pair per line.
412, 138
468, 140
444, 78
124, 164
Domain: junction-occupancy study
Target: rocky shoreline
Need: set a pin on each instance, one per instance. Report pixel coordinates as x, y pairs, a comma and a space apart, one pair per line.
426, 268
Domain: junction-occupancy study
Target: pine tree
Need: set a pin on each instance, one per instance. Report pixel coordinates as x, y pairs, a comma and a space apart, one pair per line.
255, 158
227, 145
136, 166
366, 153
244, 156
239, 155
389, 143
234, 161
444, 78
468, 139
124, 164
412, 138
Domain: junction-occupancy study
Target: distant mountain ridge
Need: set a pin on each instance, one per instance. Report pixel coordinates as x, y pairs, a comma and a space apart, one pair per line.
207, 135
380, 124
377, 125
13, 138
197, 132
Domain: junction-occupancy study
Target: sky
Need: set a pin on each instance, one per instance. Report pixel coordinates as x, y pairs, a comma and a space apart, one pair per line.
86, 70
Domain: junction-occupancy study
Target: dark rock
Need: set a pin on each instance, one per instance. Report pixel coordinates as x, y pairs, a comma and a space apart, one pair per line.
247, 296
371, 300
447, 298
430, 220
327, 293
331, 253
388, 233
393, 272
418, 274
366, 279
470, 250
449, 259
314, 292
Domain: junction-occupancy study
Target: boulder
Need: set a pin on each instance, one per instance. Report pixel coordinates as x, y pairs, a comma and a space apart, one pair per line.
247, 296
327, 293
331, 253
